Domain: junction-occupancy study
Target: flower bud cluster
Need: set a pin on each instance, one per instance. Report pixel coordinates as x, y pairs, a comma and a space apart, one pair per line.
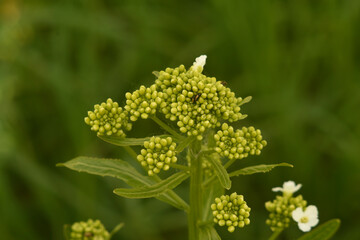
231, 211
108, 119
157, 154
143, 102
90, 230
281, 209
240, 143
196, 102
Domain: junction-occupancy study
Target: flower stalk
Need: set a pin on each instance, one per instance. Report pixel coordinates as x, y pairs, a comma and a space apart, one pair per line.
195, 191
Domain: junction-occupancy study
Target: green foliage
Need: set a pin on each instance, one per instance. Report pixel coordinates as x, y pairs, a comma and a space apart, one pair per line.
122, 142
154, 190
262, 168
119, 169
323, 232
220, 172
108, 167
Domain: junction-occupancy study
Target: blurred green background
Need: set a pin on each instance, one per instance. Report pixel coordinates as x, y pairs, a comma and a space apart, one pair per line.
300, 60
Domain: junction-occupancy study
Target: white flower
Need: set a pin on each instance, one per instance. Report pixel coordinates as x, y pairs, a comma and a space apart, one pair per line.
306, 219
199, 62
289, 187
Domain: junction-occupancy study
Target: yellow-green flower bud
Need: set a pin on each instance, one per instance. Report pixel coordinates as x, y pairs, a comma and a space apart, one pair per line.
228, 210
240, 143
89, 230
157, 154
108, 119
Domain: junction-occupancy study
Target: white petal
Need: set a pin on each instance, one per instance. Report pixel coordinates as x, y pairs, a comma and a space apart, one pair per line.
313, 222
297, 214
290, 187
277, 189
304, 227
297, 187
289, 184
200, 62
311, 211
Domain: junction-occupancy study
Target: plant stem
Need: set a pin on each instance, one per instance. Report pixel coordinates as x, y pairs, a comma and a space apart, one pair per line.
275, 234
166, 127
195, 191
178, 166
131, 152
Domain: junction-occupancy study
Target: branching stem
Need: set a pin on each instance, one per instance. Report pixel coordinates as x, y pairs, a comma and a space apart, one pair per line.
166, 127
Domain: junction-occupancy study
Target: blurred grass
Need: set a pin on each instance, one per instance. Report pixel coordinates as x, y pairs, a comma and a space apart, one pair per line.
298, 59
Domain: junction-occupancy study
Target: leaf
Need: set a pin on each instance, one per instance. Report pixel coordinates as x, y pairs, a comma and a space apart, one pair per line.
108, 167
119, 141
245, 100
323, 232
119, 169
209, 233
154, 190
262, 168
156, 73
116, 229
220, 172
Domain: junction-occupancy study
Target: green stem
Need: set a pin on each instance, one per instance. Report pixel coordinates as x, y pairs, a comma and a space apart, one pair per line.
166, 127
229, 163
195, 191
178, 166
275, 234
131, 152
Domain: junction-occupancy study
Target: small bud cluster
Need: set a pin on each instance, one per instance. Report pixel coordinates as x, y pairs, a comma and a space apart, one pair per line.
143, 102
196, 102
90, 230
158, 154
108, 119
231, 211
240, 143
281, 209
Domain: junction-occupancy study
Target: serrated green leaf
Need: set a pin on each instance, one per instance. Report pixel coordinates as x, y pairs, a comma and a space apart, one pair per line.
108, 167
220, 172
119, 169
262, 168
119, 141
154, 190
323, 232
209, 233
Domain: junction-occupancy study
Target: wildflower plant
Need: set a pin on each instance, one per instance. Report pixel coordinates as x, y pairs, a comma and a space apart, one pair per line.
196, 112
